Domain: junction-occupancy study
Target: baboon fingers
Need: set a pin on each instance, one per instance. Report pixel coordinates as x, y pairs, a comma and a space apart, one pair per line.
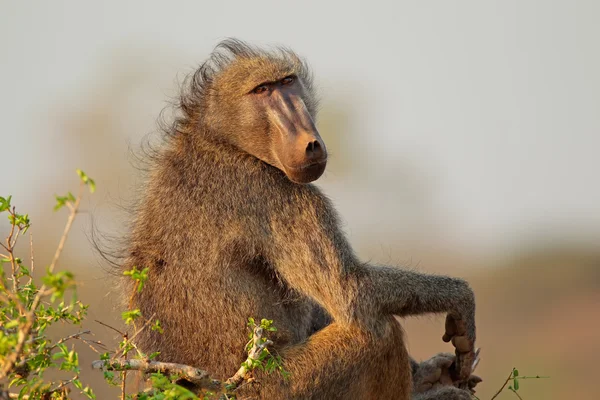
462, 344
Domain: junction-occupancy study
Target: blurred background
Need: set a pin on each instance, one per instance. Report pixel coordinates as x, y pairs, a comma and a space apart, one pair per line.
464, 139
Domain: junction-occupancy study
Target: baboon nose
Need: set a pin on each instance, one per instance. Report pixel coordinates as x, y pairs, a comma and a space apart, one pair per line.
314, 150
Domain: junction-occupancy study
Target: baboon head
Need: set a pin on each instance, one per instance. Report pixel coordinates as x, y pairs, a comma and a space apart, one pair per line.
263, 104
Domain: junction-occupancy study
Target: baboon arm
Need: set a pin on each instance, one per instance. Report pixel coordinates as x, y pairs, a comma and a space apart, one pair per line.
401, 292
314, 257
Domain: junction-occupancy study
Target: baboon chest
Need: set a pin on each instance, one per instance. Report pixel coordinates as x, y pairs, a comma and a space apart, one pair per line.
291, 310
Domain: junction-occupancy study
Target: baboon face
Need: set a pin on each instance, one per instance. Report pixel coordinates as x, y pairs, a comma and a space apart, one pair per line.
290, 141
266, 110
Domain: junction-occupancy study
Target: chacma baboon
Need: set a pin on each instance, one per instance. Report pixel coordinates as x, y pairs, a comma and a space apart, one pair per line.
230, 227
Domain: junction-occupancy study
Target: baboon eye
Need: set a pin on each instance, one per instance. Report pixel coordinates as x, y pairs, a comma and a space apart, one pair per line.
260, 89
288, 80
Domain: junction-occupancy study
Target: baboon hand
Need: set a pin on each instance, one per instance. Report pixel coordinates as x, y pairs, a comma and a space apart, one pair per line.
435, 373
462, 335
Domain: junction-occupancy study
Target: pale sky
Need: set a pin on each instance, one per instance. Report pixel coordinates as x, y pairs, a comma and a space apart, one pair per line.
473, 124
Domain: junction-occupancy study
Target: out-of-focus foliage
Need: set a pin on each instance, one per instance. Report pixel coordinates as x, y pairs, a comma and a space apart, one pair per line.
30, 308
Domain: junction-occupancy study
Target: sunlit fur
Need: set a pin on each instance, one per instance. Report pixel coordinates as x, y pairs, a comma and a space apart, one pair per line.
227, 236
233, 69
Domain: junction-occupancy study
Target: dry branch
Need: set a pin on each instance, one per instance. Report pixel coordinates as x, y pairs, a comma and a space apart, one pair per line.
196, 376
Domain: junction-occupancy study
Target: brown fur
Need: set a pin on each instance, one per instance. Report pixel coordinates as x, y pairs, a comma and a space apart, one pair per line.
227, 235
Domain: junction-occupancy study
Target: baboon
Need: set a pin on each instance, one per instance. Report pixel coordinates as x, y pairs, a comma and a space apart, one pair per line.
230, 227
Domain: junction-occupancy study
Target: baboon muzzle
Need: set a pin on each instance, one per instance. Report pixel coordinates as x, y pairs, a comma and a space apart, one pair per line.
298, 145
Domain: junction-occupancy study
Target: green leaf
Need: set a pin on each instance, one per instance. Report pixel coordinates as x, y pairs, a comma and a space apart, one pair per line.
89, 393
22, 221
156, 327
267, 324
16, 382
82, 175
130, 316
516, 384
87, 180
515, 372
60, 282
12, 324
109, 377
23, 270
62, 201
139, 276
5, 203
92, 185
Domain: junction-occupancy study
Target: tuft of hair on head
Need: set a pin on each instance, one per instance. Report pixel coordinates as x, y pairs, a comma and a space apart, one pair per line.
234, 68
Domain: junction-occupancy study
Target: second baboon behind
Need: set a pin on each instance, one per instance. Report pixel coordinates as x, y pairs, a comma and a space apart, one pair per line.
230, 228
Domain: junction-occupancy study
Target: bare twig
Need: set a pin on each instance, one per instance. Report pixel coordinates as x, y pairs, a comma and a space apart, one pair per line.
130, 339
123, 379
73, 336
61, 244
194, 375
124, 372
504, 385
62, 384
123, 351
515, 392
66, 338
32, 266
532, 377
110, 327
91, 346
10, 244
